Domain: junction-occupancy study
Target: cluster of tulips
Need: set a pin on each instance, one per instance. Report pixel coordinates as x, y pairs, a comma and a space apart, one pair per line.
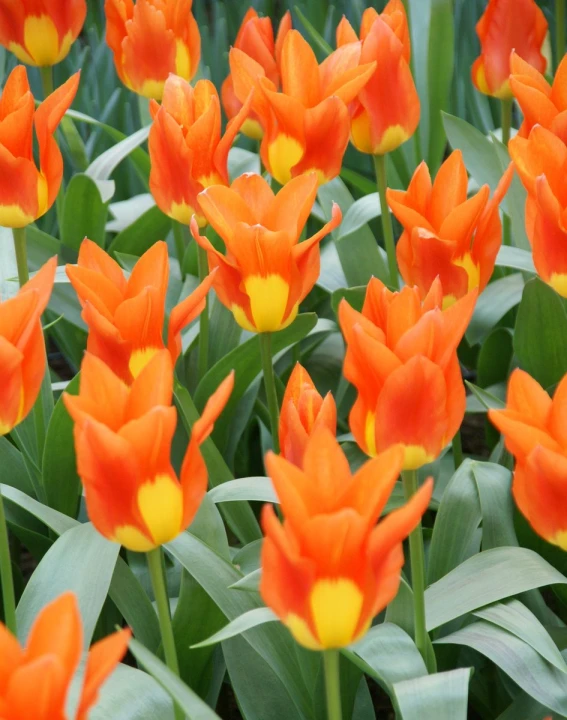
329, 567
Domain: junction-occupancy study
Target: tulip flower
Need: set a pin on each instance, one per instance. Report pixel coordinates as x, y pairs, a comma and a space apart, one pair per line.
186, 149
36, 679
310, 109
22, 347
534, 430
151, 39
446, 233
266, 272
401, 358
256, 39
41, 32
125, 317
303, 411
386, 111
123, 437
541, 103
27, 192
541, 162
507, 25
329, 569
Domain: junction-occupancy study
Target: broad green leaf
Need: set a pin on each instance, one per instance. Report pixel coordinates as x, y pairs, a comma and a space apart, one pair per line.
514, 203
242, 161
440, 73
354, 296
499, 297
253, 488
443, 696
495, 358
138, 237
250, 582
317, 38
359, 214
247, 621
130, 694
497, 508
331, 277
126, 212
486, 398
54, 520
13, 470
540, 338
84, 213
400, 610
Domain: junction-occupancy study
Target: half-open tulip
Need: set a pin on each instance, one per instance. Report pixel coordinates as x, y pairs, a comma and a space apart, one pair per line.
266, 271
303, 411
541, 103
123, 437
401, 358
125, 317
27, 192
35, 680
446, 233
329, 569
256, 39
187, 151
541, 162
310, 109
151, 39
41, 32
534, 427
507, 25
386, 111
22, 347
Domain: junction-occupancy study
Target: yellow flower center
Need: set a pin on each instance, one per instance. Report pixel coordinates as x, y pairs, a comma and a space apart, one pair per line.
284, 154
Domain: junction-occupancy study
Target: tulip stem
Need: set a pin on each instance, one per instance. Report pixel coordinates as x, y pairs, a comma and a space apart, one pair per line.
204, 317
179, 244
155, 566
457, 450
417, 556
46, 80
387, 228
270, 385
506, 107
559, 30
6, 577
21, 255
331, 659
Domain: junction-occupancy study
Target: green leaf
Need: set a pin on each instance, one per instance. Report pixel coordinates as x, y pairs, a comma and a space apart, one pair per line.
499, 297
247, 621
84, 213
312, 32
354, 296
443, 696
486, 398
13, 467
495, 357
440, 74
138, 237
81, 561
484, 579
250, 582
130, 694
54, 520
493, 484
359, 214
252, 488
540, 338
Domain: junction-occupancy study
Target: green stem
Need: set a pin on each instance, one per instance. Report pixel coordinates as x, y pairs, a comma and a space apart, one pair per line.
48, 86
457, 450
270, 385
179, 244
387, 228
21, 255
409, 479
331, 660
559, 30
8, 596
155, 567
506, 106
204, 317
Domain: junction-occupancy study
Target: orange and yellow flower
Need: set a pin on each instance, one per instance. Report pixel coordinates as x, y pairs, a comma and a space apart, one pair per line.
41, 32
22, 347
123, 437
125, 317
534, 427
311, 108
187, 151
256, 39
35, 680
26, 192
386, 111
329, 569
151, 39
541, 162
266, 272
541, 103
446, 233
401, 358
507, 25
303, 411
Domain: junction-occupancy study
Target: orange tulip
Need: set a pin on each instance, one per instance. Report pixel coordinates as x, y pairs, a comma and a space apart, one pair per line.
125, 317
256, 39
123, 439
22, 347
311, 108
386, 111
41, 32
303, 411
186, 149
507, 25
401, 358
330, 569
541, 103
535, 431
35, 680
541, 162
446, 233
266, 272
27, 192
151, 39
